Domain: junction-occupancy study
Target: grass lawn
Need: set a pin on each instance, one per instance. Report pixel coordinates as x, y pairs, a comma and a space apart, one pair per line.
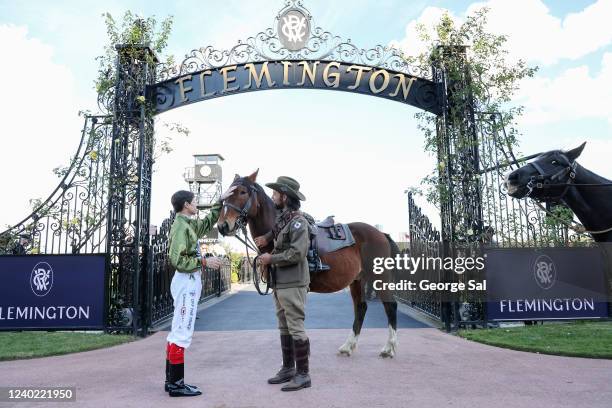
576, 339
31, 344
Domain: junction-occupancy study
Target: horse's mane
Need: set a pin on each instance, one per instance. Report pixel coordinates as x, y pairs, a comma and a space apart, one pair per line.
260, 188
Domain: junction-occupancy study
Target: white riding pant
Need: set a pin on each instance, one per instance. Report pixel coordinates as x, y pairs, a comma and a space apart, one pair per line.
186, 289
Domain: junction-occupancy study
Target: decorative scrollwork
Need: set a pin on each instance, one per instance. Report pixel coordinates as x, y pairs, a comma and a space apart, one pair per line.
267, 46
73, 217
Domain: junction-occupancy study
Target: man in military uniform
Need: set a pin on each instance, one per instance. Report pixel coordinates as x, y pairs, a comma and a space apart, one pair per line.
291, 241
186, 285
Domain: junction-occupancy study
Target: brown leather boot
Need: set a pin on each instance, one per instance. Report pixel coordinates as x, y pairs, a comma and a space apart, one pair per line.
287, 371
301, 378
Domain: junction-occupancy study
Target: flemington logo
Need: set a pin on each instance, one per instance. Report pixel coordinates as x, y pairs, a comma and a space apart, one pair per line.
294, 29
41, 279
544, 272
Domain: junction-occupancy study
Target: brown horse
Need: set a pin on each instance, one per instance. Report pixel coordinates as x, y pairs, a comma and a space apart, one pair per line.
351, 266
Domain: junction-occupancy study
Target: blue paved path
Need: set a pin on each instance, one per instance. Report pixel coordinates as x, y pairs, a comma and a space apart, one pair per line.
247, 310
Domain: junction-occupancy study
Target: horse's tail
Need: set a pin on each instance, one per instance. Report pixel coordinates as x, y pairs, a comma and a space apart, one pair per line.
394, 248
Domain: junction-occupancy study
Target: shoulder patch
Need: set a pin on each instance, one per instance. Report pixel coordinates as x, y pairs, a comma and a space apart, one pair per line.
297, 224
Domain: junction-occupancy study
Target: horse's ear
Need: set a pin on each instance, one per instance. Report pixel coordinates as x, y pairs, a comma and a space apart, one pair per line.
575, 153
236, 176
253, 176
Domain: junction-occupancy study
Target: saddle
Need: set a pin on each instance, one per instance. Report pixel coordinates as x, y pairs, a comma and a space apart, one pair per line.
332, 237
327, 236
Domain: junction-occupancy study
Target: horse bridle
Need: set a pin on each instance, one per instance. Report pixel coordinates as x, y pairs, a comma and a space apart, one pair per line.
243, 212
241, 223
544, 180
547, 180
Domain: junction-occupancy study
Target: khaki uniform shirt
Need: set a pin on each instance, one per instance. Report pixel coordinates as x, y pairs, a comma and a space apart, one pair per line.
289, 254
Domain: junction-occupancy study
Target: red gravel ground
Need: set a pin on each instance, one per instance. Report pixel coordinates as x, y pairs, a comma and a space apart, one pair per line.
432, 369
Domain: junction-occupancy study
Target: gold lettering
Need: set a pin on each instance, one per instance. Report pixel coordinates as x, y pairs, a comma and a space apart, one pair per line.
335, 75
286, 65
360, 70
307, 71
405, 85
227, 79
385, 83
182, 88
258, 78
203, 93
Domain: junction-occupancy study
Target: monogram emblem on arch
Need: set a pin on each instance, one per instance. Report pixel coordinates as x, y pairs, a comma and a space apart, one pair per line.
293, 29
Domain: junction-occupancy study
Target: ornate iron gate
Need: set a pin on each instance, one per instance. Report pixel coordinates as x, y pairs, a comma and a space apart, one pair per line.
498, 220
424, 240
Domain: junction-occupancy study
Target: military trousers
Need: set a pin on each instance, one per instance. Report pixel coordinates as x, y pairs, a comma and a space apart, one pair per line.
290, 306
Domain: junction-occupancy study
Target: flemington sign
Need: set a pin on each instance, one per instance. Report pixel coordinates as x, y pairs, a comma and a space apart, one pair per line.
52, 292
332, 75
546, 284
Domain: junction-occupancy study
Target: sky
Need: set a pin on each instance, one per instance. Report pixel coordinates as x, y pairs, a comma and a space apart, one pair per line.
353, 155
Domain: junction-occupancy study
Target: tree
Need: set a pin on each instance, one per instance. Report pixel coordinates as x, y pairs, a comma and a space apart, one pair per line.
493, 80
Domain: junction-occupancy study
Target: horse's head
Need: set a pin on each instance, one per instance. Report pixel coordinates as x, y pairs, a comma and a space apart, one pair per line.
546, 178
241, 206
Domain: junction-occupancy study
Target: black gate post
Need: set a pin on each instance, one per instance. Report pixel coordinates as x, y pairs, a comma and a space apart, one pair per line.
458, 162
130, 183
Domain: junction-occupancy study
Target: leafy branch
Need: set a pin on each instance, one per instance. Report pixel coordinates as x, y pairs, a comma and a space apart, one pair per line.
488, 77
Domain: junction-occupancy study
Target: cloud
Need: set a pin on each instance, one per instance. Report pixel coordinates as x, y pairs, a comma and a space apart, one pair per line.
538, 37
40, 128
575, 93
534, 34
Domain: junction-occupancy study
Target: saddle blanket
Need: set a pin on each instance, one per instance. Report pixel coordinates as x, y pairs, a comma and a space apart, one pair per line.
334, 238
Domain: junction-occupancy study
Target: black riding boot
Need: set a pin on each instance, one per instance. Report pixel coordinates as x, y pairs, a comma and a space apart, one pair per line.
176, 383
168, 385
287, 371
301, 378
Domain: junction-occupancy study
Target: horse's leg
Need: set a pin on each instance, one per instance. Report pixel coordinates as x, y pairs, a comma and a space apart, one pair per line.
360, 306
391, 310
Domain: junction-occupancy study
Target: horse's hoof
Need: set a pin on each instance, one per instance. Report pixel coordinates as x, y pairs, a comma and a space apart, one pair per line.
387, 354
349, 346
